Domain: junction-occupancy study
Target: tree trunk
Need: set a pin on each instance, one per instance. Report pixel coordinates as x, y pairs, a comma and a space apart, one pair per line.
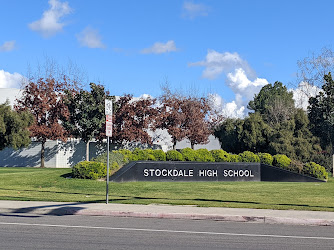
174, 144
43, 154
87, 151
192, 144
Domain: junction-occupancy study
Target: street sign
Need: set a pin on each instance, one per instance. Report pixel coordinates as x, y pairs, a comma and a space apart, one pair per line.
109, 125
108, 106
108, 112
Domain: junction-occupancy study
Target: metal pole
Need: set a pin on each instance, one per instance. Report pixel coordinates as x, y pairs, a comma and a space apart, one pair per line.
107, 191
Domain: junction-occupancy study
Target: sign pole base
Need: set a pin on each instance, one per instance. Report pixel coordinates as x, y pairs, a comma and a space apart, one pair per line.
107, 189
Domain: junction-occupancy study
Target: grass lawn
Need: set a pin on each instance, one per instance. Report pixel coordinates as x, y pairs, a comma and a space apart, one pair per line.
37, 184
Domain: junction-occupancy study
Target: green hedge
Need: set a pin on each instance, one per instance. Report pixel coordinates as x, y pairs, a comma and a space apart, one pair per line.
281, 161
234, 158
203, 155
89, 170
125, 152
141, 155
296, 166
248, 156
189, 154
266, 158
220, 155
159, 155
315, 170
173, 155
117, 158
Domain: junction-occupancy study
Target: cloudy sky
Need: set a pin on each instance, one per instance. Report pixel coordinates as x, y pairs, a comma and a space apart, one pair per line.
227, 48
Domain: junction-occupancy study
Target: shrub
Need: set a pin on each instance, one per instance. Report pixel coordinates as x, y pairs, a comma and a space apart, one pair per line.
159, 155
220, 155
151, 157
323, 158
248, 156
204, 155
266, 158
173, 155
149, 154
315, 170
114, 156
234, 158
89, 170
126, 153
139, 155
281, 161
188, 154
296, 166
114, 167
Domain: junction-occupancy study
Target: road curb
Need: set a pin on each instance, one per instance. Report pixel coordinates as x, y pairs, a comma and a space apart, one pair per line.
73, 210
235, 218
231, 218
294, 221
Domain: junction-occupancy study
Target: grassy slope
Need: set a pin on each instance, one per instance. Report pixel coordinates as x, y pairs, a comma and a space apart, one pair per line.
52, 185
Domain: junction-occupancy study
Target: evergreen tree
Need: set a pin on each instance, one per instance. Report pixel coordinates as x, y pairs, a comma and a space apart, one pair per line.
86, 113
276, 127
229, 135
321, 114
274, 102
13, 127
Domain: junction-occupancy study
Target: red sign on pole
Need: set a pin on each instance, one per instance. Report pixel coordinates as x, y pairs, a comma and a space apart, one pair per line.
109, 125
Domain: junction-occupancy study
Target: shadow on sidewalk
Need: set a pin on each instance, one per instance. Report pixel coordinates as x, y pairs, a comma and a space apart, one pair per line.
21, 216
58, 209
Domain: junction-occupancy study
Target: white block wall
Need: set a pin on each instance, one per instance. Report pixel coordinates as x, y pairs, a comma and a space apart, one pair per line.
65, 155
57, 154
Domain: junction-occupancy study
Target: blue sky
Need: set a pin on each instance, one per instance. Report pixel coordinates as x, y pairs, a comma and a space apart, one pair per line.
230, 48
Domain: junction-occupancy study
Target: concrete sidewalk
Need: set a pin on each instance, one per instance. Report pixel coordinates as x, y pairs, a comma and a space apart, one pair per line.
291, 217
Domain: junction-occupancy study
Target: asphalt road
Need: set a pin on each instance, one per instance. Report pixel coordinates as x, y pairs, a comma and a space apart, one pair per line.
22, 231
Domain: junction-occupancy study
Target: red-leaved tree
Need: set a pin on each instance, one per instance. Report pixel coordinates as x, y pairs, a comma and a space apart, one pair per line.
43, 98
197, 125
186, 117
132, 119
171, 117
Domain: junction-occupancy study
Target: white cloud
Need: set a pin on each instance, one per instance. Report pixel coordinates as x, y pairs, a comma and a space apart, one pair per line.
244, 90
192, 10
8, 80
50, 23
142, 97
240, 77
242, 80
302, 93
241, 85
228, 110
90, 38
159, 48
216, 63
7, 46
145, 96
